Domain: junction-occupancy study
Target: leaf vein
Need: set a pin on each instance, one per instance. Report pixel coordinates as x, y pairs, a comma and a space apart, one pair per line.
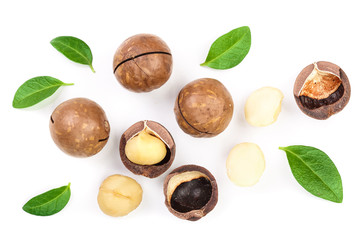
296, 156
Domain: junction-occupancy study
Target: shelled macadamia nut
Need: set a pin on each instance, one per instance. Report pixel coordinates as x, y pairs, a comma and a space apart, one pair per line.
245, 164
190, 192
147, 148
321, 90
119, 195
142, 63
263, 106
204, 108
79, 127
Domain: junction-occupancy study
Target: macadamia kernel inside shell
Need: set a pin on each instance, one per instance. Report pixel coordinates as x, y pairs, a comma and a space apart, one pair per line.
245, 164
145, 148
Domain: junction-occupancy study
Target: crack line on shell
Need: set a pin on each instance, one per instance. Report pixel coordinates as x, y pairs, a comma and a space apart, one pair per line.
147, 76
140, 55
187, 121
104, 139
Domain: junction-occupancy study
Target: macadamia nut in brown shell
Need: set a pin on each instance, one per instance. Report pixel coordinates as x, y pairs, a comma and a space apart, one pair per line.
204, 108
138, 152
79, 127
190, 192
322, 89
142, 63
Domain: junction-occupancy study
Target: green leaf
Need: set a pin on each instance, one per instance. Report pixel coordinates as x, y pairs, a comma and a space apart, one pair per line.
315, 172
48, 203
35, 90
74, 49
230, 49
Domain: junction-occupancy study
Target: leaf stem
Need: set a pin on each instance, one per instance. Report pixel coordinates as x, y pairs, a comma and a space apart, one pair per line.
92, 68
68, 84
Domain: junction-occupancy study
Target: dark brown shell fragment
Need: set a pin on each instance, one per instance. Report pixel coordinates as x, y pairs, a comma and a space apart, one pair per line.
150, 171
79, 127
328, 94
204, 108
193, 194
142, 63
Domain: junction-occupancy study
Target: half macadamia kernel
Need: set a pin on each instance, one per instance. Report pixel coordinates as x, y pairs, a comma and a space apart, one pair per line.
190, 192
263, 106
147, 148
245, 164
321, 90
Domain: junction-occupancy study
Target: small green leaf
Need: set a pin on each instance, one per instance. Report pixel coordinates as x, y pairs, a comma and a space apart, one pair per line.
315, 172
35, 90
48, 203
230, 49
74, 49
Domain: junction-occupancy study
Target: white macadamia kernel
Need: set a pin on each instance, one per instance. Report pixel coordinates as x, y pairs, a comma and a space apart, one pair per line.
263, 106
145, 148
245, 164
119, 195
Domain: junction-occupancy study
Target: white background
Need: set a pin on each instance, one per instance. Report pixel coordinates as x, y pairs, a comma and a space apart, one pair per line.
286, 36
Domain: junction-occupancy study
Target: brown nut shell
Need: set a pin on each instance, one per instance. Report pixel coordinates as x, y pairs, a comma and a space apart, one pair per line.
150, 171
79, 127
204, 108
195, 189
142, 63
321, 90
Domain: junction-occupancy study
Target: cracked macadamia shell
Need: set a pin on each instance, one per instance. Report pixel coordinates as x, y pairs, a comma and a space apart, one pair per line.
190, 192
322, 89
142, 63
204, 108
150, 171
79, 127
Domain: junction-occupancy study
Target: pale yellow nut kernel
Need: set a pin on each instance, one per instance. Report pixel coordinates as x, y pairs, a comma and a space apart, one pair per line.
145, 149
263, 106
245, 164
119, 195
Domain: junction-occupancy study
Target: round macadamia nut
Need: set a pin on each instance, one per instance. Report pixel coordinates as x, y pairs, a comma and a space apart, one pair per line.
190, 192
142, 63
204, 108
147, 148
245, 164
119, 195
263, 106
322, 89
79, 127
